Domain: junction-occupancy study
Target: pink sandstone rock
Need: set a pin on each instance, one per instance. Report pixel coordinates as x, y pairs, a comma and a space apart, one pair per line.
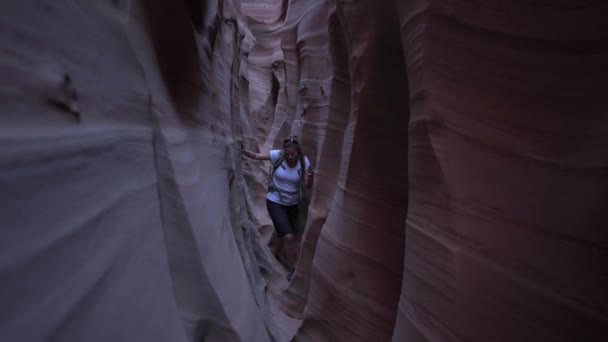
358, 262
507, 205
460, 149
120, 215
504, 212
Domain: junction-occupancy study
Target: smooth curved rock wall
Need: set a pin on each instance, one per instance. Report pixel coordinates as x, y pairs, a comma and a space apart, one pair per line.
493, 125
507, 172
120, 217
461, 183
357, 267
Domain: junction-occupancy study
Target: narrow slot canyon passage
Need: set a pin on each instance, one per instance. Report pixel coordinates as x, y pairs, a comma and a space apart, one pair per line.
457, 187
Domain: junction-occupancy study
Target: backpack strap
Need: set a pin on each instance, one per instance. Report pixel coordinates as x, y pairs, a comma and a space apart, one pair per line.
278, 162
302, 168
275, 165
300, 192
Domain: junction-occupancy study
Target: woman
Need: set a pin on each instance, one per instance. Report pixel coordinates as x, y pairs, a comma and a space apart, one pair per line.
290, 170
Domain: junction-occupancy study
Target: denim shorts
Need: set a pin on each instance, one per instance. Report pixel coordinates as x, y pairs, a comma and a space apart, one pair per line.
284, 218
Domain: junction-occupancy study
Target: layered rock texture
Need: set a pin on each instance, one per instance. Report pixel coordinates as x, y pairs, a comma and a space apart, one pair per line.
460, 148
123, 217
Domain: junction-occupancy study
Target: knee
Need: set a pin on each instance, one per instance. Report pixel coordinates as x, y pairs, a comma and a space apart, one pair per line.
289, 237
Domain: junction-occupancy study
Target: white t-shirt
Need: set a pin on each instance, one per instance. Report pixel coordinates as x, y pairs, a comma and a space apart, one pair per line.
285, 178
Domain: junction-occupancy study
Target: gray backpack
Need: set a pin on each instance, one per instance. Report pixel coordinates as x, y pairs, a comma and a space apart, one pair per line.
273, 188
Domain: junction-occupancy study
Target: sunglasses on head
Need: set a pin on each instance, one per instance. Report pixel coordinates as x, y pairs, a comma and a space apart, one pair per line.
290, 140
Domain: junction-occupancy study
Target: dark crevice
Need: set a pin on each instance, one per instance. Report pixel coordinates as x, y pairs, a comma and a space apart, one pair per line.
196, 14
274, 91
173, 39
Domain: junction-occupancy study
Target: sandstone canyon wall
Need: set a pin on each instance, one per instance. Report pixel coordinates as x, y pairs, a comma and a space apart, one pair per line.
507, 171
118, 222
460, 152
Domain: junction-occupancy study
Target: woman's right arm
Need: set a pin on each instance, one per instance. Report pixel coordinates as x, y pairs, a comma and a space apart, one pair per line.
256, 156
